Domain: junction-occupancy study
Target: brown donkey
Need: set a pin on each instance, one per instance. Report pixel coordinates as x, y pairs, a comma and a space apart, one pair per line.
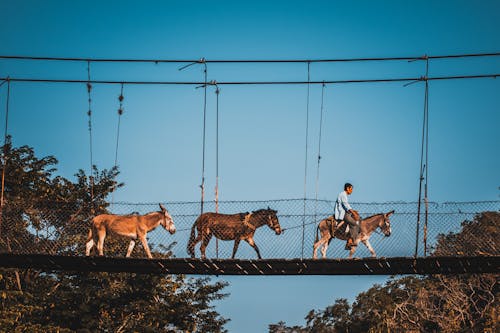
235, 227
330, 230
132, 226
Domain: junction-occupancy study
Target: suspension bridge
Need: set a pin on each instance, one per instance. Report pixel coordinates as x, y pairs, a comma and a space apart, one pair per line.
63, 248
440, 244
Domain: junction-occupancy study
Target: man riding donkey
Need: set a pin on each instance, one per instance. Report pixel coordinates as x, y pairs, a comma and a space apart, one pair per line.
345, 213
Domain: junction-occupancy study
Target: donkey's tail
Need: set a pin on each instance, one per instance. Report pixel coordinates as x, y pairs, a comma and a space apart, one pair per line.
89, 244
89, 237
317, 231
191, 243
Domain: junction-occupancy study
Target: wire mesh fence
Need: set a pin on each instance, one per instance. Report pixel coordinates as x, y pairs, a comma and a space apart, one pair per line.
63, 230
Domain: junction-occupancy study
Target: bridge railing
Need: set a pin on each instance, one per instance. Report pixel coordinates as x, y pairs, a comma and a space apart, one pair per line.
56, 229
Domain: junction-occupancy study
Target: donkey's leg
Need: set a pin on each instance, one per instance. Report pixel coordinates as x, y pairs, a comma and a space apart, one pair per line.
145, 245
235, 247
130, 248
88, 247
353, 249
325, 247
315, 248
370, 248
100, 241
193, 244
252, 244
204, 243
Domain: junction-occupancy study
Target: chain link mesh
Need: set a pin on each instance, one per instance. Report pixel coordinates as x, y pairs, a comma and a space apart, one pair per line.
55, 230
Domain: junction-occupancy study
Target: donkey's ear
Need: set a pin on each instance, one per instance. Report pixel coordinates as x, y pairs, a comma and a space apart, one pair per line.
390, 213
162, 208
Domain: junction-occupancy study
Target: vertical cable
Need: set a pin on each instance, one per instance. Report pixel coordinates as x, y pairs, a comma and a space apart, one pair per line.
217, 163
319, 149
217, 91
120, 112
4, 159
89, 113
426, 199
205, 70
306, 147
202, 186
423, 158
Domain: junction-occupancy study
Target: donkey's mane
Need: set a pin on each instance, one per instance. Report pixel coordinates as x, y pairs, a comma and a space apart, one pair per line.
373, 216
261, 210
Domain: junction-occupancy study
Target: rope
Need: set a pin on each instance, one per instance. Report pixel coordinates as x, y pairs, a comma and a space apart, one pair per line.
426, 199
423, 165
204, 85
190, 62
202, 186
306, 148
4, 159
217, 91
319, 149
381, 80
89, 113
217, 162
120, 112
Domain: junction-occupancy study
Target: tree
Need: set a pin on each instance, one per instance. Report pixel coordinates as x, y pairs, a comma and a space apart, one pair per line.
43, 213
477, 237
462, 302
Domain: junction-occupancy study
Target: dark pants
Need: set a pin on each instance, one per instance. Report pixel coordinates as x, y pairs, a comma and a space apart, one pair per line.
353, 226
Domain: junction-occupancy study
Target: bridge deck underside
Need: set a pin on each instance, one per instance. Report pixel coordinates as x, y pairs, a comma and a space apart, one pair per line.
364, 266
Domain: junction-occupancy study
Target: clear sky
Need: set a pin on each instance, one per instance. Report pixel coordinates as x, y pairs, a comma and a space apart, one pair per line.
370, 136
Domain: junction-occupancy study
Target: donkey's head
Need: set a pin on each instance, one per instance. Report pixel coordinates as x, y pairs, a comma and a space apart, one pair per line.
385, 223
167, 222
272, 220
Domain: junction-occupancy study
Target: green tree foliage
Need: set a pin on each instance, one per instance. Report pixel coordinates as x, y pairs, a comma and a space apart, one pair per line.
44, 213
438, 303
478, 237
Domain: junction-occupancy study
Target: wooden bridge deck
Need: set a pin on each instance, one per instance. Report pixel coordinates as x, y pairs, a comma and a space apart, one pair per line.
364, 266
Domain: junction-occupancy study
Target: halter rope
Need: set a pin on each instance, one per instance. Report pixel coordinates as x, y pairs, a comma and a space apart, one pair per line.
246, 222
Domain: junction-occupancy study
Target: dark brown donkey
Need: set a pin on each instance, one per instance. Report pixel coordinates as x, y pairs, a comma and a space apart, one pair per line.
367, 227
235, 227
132, 226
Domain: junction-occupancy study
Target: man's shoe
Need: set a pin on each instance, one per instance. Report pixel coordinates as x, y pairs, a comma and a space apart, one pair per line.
349, 244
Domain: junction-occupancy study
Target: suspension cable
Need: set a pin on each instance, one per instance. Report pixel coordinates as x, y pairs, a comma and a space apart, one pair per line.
204, 85
319, 149
306, 153
426, 199
156, 61
89, 114
217, 91
202, 186
201, 84
120, 112
4, 159
423, 164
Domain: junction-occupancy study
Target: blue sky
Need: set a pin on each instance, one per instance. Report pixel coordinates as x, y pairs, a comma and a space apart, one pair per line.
371, 132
